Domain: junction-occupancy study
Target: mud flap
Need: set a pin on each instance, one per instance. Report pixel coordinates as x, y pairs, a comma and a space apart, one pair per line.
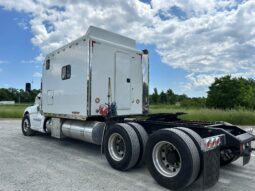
247, 153
211, 168
246, 159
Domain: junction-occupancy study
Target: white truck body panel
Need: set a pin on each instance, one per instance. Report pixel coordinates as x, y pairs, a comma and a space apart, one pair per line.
123, 66
35, 116
70, 95
94, 59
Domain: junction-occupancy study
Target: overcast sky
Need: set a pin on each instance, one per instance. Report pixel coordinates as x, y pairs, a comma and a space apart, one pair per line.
190, 41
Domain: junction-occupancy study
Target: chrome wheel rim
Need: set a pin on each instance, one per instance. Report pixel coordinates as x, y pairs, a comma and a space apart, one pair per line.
26, 125
166, 159
116, 147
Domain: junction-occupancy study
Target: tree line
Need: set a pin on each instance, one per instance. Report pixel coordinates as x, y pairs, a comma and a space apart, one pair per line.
18, 95
170, 98
225, 93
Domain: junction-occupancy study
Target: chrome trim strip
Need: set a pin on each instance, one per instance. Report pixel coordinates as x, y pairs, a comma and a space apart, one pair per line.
145, 93
65, 116
89, 77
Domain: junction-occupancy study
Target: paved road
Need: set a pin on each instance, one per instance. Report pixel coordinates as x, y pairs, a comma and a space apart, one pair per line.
44, 163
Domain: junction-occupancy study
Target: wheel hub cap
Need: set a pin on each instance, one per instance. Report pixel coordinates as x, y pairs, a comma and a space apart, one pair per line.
116, 147
166, 159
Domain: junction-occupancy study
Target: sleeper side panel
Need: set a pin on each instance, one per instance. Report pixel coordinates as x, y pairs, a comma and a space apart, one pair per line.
66, 97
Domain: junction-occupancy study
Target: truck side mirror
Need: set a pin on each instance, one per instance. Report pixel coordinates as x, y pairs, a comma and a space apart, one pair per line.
28, 87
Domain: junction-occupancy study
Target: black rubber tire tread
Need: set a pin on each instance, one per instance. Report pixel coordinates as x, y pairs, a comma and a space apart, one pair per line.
44, 125
143, 138
198, 142
30, 132
194, 152
188, 153
193, 135
132, 146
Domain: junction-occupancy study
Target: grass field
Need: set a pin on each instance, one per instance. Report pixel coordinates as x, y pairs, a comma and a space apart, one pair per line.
239, 117
12, 111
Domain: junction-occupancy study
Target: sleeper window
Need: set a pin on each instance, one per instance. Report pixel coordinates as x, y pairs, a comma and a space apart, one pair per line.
66, 72
47, 64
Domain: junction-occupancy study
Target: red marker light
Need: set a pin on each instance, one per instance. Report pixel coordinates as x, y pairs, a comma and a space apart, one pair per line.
103, 110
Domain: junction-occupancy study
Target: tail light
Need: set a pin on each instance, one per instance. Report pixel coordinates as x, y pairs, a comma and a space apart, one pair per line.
212, 142
103, 110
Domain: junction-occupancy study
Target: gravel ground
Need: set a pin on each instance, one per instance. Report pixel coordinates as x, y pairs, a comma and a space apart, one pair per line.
44, 163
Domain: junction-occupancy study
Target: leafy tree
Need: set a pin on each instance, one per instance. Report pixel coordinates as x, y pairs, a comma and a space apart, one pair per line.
155, 97
19, 96
182, 97
168, 97
227, 92
162, 97
171, 97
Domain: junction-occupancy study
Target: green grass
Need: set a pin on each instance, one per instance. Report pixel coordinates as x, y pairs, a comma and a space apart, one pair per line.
12, 111
238, 116
235, 116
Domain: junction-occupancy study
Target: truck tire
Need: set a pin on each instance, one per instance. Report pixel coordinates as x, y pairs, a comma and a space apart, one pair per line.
198, 142
121, 146
25, 126
172, 158
143, 138
194, 136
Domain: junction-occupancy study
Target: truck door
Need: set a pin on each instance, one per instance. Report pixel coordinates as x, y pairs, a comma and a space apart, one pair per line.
50, 97
122, 81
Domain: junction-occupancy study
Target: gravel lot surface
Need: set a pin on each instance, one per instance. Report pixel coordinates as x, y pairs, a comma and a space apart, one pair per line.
44, 163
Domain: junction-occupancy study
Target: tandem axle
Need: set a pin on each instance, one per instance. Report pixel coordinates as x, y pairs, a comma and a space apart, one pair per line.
177, 152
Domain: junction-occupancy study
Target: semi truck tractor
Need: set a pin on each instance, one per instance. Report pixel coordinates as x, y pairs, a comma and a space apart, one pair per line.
96, 89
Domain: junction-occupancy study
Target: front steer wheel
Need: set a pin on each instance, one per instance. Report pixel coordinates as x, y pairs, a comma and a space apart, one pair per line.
26, 126
172, 158
121, 146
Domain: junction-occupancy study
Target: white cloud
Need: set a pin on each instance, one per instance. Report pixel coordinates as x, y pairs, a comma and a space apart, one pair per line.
199, 80
39, 58
205, 38
3, 62
37, 75
22, 23
27, 61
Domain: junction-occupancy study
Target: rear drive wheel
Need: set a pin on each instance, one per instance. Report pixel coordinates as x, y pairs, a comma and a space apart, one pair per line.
194, 136
143, 138
121, 146
198, 142
172, 158
26, 126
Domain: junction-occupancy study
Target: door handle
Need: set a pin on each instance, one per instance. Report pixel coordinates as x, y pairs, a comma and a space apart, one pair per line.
128, 80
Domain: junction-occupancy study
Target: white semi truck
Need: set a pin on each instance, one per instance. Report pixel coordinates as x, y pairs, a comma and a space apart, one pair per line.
95, 89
